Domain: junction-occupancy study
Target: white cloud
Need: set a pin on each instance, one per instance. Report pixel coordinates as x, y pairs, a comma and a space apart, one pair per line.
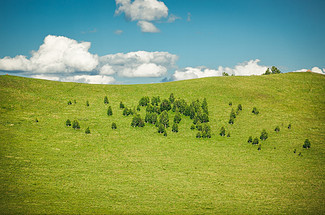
137, 64
247, 68
318, 70
189, 15
56, 54
148, 27
46, 77
172, 18
147, 10
118, 32
301, 70
90, 79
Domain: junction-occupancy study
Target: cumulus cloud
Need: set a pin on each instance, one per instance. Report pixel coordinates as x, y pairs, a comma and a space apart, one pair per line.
56, 54
90, 79
148, 27
143, 11
314, 69
137, 64
172, 18
118, 32
243, 69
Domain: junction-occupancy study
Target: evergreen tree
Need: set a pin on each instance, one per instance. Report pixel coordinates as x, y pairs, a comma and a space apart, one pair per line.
275, 70
199, 126
155, 100
264, 135
171, 98
69, 102
114, 126
222, 131
177, 117
239, 108
255, 111
306, 144
267, 72
68, 123
163, 119
144, 101
87, 131
121, 105
75, 102
259, 147
255, 141
250, 139
289, 126
277, 129
232, 114
138, 108
231, 121
109, 111
75, 125
106, 100
165, 133
228, 135
205, 106
192, 127
175, 127
165, 105
153, 118
230, 103
36, 120
137, 121
87, 103
161, 128
198, 135
204, 118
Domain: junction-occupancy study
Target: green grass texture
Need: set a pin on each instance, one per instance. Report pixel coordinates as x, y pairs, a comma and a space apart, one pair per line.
49, 168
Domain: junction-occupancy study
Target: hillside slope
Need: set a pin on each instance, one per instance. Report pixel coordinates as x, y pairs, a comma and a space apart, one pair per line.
47, 167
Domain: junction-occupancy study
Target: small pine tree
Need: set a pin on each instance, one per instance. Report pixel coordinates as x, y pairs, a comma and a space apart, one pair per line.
222, 131
75, 125
165, 133
264, 135
232, 114
250, 139
239, 108
87, 131
109, 111
228, 135
177, 117
69, 102
163, 119
255, 141
114, 126
192, 127
137, 121
36, 120
198, 135
68, 123
121, 105
306, 144
175, 128
161, 128
259, 147
267, 72
255, 111
230, 103
87, 103
75, 101
106, 100
231, 120
138, 108
144, 101
277, 129
171, 98
289, 126
275, 70
165, 105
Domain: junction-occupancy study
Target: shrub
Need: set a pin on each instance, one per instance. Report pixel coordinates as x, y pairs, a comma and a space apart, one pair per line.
230, 103
294, 151
175, 128
255, 141
161, 128
106, 100
163, 119
232, 114
155, 100
69, 102
239, 108
289, 126
171, 98
231, 120
198, 135
75, 125
36, 120
165, 105
87, 131
121, 105
68, 123
306, 144
192, 127
277, 129
137, 121
75, 101
144, 101
109, 111
87, 103
138, 108
264, 135
259, 147
250, 139
177, 117
255, 111
222, 131
114, 126
228, 135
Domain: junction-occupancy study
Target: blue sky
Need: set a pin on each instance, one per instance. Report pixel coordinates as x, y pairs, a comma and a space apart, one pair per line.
206, 34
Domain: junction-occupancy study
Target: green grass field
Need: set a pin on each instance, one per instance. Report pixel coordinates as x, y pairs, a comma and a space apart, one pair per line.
48, 168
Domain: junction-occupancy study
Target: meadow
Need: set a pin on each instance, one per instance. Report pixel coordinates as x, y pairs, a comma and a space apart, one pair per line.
49, 168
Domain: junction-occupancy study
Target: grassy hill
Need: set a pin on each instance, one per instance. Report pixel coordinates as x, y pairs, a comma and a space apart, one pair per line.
46, 167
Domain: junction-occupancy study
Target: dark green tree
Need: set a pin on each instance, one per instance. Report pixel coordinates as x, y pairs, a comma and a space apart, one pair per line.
259, 147
155, 100
205, 106
175, 127
36, 120
228, 135
165, 133
289, 126
75, 125
69, 102
230, 103
138, 108
165, 105
277, 129
255, 111
250, 139
192, 127
231, 120
161, 128
255, 141
75, 102
232, 114
121, 105
114, 126
198, 135
222, 131
137, 121
106, 100
87, 131
164, 119
109, 111
204, 118
87, 103
239, 108
68, 123
199, 126
306, 144
267, 72
264, 135
275, 70
171, 98
225, 74
144, 101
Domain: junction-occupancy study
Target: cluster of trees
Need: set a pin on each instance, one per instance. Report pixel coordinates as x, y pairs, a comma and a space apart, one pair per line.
255, 111
264, 135
233, 114
274, 70
137, 121
204, 130
75, 124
